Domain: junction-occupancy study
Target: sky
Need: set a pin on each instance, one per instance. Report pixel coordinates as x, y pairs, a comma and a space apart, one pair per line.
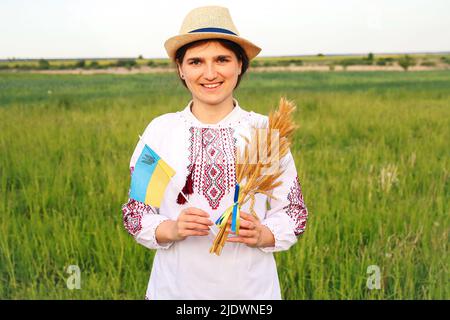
113, 28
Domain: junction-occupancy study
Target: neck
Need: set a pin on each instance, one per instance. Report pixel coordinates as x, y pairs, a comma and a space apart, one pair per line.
211, 114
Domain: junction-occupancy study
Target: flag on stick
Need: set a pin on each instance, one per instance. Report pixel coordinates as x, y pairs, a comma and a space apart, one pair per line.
150, 178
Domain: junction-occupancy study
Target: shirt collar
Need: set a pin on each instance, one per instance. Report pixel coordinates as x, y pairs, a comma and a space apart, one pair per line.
231, 118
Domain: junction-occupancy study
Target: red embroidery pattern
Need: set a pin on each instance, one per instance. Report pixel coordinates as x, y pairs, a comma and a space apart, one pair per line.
296, 208
212, 150
132, 213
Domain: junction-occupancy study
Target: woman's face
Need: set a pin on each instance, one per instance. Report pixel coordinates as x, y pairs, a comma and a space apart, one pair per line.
211, 72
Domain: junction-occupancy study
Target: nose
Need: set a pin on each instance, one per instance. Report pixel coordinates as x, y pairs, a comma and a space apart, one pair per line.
210, 72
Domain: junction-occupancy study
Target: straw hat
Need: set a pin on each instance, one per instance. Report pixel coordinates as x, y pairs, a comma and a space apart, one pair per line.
206, 23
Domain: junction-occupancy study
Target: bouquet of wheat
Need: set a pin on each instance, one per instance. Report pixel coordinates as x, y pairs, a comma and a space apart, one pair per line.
255, 174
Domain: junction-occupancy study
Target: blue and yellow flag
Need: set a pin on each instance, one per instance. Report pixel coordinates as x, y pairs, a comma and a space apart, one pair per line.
150, 178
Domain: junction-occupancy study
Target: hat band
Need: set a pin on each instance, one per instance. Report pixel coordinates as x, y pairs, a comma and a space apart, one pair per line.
218, 30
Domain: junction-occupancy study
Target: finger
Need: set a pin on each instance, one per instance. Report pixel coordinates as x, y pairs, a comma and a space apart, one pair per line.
247, 225
196, 211
244, 224
246, 216
235, 239
194, 226
243, 217
196, 233
247, 241
245, 233
197, 219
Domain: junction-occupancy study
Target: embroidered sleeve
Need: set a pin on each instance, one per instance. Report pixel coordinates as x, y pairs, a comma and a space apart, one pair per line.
288, 214
296, 208
139, 219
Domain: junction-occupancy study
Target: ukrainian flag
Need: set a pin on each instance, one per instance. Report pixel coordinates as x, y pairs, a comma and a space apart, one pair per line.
150, 178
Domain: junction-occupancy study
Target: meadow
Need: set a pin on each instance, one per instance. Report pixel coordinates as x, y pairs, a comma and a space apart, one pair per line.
372, 153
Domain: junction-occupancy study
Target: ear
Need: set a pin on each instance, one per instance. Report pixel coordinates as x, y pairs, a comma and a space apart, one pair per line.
240, 67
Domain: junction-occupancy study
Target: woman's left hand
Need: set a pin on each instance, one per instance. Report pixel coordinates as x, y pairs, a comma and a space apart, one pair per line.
252, 232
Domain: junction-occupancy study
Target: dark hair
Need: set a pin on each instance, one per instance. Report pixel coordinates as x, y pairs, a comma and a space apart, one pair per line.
230, 45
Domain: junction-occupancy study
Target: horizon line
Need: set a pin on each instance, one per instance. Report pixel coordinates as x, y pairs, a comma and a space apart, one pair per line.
262, 56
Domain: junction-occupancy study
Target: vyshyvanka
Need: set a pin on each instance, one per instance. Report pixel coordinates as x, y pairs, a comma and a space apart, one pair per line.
203, 157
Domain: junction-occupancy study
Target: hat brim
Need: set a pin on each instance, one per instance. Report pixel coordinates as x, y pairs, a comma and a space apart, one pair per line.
174, 43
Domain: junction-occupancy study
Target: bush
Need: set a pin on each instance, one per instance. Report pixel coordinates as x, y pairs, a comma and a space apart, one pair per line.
384, 61
126, 63
445, 59
354, 62
43, 64
21, 67
62, 66
381, 62
295, 62
163, 63
93, 65
406, 61
428, 63
255, 63
80, 64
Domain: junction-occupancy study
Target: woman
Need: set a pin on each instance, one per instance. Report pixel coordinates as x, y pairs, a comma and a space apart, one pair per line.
199, 143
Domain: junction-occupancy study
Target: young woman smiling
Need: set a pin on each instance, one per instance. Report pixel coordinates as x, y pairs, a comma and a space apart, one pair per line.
199, 142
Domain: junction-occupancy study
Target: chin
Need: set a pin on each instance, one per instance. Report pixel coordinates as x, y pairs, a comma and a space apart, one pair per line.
213, 99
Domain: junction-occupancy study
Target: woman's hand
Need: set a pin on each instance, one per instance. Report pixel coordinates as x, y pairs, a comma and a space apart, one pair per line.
191, 222
252, 232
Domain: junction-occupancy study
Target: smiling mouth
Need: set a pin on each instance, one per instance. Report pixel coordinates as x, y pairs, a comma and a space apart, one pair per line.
211, 85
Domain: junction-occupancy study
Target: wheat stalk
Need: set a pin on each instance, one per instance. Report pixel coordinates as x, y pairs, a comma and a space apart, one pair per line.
249, 170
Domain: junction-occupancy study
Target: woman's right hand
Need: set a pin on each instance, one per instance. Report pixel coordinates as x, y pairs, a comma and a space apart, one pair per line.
191, 222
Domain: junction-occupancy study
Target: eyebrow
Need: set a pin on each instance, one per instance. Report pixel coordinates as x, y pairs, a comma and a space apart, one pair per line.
216, 57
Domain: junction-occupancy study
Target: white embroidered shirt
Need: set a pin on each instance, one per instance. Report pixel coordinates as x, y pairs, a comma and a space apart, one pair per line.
185, 269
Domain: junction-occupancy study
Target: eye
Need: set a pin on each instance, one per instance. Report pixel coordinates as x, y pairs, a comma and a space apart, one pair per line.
222, 59
194, 62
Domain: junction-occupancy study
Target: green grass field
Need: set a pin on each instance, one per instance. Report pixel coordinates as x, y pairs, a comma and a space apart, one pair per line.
372, 153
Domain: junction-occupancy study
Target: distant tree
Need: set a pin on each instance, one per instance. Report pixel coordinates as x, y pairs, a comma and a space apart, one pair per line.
370, 57
428, 63
140, 57
80, 63
163, 63
93, 65
345, 63
381, 62
43, 64
151, 63
127, 63
445, 59
320, 55
254, 63
406, 61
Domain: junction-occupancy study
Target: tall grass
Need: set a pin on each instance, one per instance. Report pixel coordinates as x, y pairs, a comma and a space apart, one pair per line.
371, 152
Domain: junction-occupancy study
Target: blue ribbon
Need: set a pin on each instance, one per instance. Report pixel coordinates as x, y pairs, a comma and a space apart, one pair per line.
218, 30
233, 217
